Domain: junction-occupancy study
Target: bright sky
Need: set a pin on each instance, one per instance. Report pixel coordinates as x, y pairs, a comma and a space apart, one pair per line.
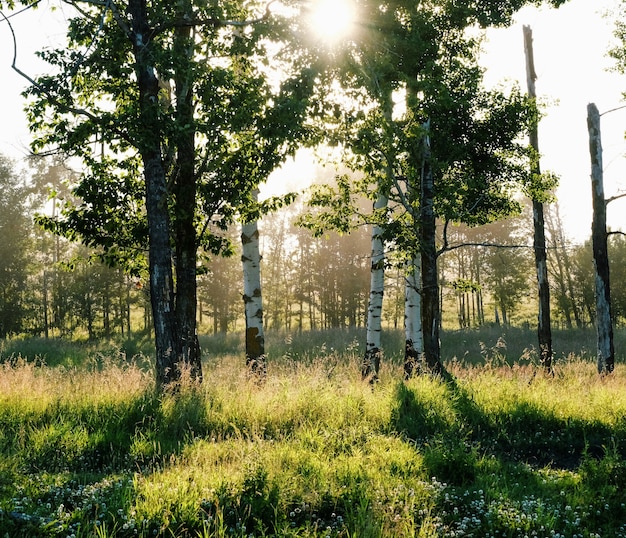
570, 49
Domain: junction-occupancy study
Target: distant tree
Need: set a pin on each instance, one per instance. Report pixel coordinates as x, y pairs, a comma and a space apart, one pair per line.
219, 292
278, 266
617, 257
583, 280
465, 272
15, 249
507, 266
559, 256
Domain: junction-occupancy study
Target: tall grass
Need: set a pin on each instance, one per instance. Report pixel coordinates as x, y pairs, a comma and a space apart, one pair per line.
92, 450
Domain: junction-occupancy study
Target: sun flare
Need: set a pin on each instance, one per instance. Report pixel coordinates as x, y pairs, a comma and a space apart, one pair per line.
332, 19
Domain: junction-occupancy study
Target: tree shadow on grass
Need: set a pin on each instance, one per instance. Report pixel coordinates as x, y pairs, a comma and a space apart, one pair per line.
526, 459
524, 433
83, 460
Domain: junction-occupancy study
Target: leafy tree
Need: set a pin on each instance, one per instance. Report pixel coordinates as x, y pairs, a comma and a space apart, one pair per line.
452, 150
15, 237
175, 124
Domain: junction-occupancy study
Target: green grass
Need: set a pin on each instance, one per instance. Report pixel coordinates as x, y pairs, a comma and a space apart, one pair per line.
89, 449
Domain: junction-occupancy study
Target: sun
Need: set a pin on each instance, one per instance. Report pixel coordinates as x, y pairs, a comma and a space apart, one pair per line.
332, 20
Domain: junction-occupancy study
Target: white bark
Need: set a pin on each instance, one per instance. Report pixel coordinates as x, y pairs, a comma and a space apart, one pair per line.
414, 336
252, 297
604, 322
371, 362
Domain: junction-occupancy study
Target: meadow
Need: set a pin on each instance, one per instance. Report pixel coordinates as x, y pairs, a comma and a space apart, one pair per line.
88, 448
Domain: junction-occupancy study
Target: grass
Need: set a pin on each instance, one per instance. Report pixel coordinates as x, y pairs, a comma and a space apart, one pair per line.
89, 449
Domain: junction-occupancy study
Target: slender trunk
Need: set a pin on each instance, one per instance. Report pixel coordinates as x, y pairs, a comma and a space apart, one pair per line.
373, 350
414, 339
373, 353
544, 331
160, 255
252, 298
430, 281
185, 210
604, 322
46, 321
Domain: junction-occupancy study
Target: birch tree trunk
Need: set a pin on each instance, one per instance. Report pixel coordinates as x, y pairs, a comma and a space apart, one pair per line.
414, 338
373, 350
544, 331
252, 298
604, 323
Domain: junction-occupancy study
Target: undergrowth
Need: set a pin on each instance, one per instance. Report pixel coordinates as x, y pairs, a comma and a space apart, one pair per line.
92, 450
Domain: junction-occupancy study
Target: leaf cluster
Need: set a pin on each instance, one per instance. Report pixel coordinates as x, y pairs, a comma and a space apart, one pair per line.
217, 89
411, 80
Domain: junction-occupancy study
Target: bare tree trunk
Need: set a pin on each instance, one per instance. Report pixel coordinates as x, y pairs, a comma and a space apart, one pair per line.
373, 350
414, 338
604, 322
160, 254
188, 349
430, 281
252, 298
544, 330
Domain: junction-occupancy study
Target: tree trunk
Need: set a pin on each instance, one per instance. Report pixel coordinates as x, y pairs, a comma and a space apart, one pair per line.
373, 350
414, 339
188, 349
160, 255
604, 323
252, 298
430, 281
544, 331
46, 321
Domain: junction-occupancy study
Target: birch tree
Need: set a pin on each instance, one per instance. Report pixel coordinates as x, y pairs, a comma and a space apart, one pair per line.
599, 241
252, 296
373, 325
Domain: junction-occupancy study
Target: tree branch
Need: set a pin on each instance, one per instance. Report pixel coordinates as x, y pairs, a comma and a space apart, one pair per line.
211, 22
53, 100
613, 198
486, 245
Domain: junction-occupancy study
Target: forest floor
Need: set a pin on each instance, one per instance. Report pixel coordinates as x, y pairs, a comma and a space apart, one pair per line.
89, 449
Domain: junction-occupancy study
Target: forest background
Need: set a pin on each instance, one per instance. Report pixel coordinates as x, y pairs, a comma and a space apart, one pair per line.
290, 303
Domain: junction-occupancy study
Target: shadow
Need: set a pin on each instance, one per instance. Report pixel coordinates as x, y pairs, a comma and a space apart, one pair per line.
453, 436
521, 456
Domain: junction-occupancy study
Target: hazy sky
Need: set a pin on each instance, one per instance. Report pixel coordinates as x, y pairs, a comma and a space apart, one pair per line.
570, 48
